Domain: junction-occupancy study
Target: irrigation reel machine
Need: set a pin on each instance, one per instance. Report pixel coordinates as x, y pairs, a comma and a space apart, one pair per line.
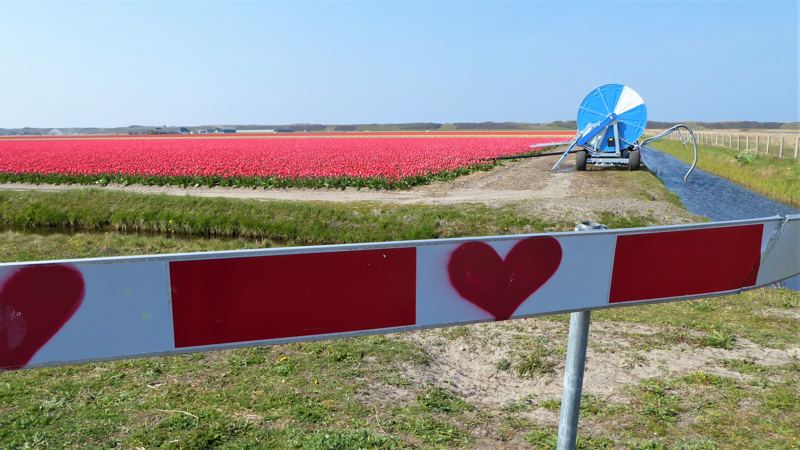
611, 119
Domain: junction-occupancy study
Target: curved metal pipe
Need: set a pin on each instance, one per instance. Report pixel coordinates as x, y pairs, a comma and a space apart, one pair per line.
671, 130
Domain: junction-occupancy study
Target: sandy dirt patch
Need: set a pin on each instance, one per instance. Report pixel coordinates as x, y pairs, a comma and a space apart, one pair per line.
468, 360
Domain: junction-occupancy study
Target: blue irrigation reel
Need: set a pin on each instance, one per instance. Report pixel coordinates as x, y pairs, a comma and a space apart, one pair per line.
611, 119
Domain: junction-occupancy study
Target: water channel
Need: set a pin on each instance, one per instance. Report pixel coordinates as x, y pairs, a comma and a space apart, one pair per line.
714, 197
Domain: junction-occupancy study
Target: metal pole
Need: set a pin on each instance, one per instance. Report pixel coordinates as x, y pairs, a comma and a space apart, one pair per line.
573, 379
577, 343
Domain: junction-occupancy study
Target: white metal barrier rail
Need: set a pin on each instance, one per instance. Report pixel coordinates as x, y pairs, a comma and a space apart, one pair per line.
60, 312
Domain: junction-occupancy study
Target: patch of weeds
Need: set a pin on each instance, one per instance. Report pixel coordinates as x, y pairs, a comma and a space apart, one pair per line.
431, 431
546, 438
658, 402
745, 366
745, 158
346, 353
760, 381
551, 404
542, 438
650, 445
702, 444
720, 339
516, 406
395, 379
708, 379
791, 302
634, 359
590, 405
510, 425
696, 444
515, 422
341, 439
441, 400
661, 339
703, 306
782, 399
647, 196
632, 220
284, 367
190, 432
307, 410
455, 332
535, 363
504, 364
247, 358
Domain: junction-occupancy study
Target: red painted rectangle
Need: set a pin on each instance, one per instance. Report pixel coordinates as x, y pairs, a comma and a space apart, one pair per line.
219, 301
691, 262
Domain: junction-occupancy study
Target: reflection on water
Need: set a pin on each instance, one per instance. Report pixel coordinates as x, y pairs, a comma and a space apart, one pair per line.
714, 197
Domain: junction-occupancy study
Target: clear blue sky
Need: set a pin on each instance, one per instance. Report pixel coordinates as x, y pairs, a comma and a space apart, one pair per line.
212, 63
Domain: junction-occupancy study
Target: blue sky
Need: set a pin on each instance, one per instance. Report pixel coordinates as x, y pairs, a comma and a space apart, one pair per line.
99, 64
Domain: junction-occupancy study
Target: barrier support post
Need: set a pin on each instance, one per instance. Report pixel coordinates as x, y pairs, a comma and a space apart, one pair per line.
577, 343
573, 379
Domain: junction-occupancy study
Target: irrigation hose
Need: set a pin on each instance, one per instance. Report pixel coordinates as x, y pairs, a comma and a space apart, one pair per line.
534, 155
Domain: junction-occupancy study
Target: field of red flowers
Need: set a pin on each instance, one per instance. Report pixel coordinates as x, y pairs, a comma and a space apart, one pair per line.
313, 161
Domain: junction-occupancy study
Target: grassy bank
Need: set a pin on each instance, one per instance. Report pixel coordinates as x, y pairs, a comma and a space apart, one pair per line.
776, 178
283, 221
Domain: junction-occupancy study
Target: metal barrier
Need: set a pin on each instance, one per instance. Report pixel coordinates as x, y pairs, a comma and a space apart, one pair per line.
72, 311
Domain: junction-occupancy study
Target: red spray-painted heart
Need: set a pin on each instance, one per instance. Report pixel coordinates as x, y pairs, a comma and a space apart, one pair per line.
499, 286
35, 302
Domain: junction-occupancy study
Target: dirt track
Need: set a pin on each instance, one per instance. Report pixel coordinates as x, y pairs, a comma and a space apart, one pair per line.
529, 182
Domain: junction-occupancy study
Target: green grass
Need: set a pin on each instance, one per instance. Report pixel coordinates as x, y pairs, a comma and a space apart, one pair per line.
776, 178
307, 395
280, 221
238, 399
722, 319
254, 182
27, 246
535, 362
311, 395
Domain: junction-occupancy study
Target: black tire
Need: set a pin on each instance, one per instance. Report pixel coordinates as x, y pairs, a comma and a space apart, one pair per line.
580, 160
634, 160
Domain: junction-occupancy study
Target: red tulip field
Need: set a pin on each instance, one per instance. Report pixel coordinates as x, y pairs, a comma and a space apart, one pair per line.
303, 160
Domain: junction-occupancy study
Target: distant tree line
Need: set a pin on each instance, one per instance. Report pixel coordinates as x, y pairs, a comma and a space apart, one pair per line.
411, 126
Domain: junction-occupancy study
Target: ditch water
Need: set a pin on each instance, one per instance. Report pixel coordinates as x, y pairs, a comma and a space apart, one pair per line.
714, 197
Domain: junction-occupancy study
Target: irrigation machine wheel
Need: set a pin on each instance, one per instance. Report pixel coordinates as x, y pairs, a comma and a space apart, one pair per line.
580, 160
634, 159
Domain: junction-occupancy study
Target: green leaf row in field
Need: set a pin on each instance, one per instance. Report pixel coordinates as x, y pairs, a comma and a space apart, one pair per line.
270, 182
